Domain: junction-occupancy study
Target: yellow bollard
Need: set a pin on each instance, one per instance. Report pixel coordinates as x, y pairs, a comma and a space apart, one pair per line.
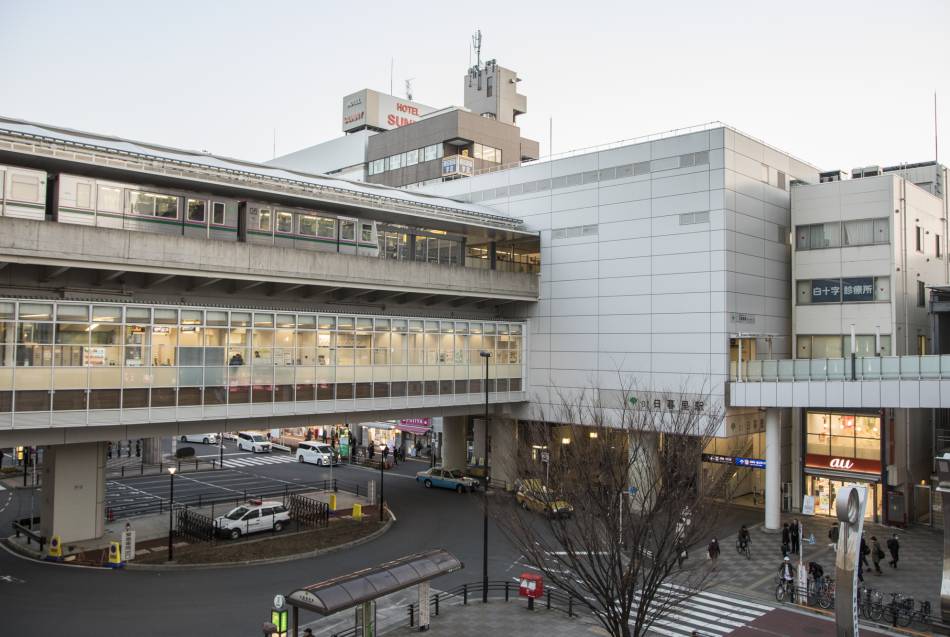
115, 555
333, 502
55, 553
357, 511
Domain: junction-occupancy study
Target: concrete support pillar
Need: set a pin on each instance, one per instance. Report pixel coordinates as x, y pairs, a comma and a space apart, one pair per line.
478, 441
504, 452
74, 491
151, 450
453, 442
773, 470
643, 447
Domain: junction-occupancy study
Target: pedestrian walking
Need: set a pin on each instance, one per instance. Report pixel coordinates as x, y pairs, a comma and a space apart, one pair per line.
865, 551
877, 554
786, 539
796, 530
370, 450
893, 547
713, 550
681, 553
833, 536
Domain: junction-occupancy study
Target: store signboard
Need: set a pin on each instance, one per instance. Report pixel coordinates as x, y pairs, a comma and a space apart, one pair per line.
808, 505
836, 463
753, 463
847, 290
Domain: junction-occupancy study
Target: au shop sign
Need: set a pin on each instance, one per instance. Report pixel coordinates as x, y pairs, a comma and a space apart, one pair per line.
838, 463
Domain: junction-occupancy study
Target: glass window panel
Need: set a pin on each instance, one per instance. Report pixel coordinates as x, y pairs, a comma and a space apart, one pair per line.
166, 206
327, 322
216, 318
106, 314
72, 333
6, 310
36, 311
867, 448
217, 213
240, 319
882, 230
364, 324
842, 446
306, 321
263, 320
345, 323
72, 313
263, 220
858, 232
105, 334
326, 228
819, 444
285, 222
344, 391
308, 225
191, 317
109, 199
868, 427
138, 315
164, 316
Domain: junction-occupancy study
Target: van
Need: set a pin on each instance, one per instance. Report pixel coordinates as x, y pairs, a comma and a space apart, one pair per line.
255, 443
317, 453
252, 517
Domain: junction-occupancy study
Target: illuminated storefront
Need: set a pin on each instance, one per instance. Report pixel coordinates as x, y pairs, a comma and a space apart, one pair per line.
841, 449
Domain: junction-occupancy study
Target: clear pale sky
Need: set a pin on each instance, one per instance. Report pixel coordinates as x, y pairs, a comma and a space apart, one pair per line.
839, 84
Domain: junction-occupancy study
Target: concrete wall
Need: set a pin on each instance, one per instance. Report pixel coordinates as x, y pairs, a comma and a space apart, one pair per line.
74, 491
28, 241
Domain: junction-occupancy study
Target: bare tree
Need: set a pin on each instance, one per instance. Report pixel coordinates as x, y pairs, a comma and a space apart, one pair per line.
611, 515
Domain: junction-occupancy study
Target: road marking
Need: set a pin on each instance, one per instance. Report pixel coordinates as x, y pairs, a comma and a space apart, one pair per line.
2, 488
209, 484
710, 612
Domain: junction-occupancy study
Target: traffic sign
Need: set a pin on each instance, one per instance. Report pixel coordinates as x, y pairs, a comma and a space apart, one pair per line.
545, 457
278, 601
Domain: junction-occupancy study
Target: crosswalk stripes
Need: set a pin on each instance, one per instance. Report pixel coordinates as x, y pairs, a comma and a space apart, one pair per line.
707, 613
250, 461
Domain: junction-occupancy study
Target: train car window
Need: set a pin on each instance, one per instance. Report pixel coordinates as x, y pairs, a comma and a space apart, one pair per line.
109, 199
308, 225
347, 230
166, 206
24, 187
196, 210
83, 195
142, 203
264, 220
326, 228
217, 213
285, 222
366, 234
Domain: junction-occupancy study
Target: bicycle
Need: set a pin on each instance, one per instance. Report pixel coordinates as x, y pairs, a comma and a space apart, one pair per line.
826, 593
785, 589
922, 614
901, 609
870, 603
744, 549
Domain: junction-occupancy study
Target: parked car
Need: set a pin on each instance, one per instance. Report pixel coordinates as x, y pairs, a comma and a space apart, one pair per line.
255, 516
317, 453
534, 496
252, 442
208, 439
446, 479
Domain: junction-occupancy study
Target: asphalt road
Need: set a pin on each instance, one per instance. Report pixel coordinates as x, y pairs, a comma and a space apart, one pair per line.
40, 598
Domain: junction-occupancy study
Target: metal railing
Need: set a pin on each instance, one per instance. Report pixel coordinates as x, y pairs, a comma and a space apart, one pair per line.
214, 498
934, 367
498, 591
185, 465
20, 526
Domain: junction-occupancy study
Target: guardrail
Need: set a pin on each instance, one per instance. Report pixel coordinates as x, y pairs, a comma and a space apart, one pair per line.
185, 465
931, 367
212, 498
19, 527
552, 600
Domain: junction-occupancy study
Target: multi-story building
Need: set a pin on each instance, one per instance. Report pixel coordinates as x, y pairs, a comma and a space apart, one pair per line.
400, 143
662, 261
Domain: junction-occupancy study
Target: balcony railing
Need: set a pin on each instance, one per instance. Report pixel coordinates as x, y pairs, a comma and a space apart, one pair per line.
865, 368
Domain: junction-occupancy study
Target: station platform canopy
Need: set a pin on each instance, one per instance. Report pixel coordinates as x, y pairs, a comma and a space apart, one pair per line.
348, 591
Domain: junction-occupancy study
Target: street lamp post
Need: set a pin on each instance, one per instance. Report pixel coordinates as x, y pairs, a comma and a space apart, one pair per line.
381, 462
171, 508
486, 356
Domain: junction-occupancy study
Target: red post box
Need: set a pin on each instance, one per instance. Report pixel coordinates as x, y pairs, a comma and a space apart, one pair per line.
531, 586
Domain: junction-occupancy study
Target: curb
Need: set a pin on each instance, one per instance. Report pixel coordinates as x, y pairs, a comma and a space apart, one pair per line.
129, 566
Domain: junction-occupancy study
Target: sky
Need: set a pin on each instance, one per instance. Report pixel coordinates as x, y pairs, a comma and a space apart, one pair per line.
836, 84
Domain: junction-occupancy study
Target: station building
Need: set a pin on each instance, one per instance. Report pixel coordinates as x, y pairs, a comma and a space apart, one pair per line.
148, 291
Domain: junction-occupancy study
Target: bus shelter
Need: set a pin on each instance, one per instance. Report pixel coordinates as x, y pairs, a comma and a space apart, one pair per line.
362, 588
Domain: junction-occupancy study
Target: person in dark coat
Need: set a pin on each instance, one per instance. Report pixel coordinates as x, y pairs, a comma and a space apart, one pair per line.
371, 450
796, 530
833, 536
786, 539
876, 554
893, 547
714, 551
865, 551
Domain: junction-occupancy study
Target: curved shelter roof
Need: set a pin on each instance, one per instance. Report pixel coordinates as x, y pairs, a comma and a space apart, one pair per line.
351, 590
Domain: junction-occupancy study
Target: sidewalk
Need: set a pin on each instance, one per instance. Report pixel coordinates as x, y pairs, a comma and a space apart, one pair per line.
918, 575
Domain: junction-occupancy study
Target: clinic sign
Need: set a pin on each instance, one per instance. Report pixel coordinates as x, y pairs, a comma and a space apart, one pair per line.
845, 290
380, 111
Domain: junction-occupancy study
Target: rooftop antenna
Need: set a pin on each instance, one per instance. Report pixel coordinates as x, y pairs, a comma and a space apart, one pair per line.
392, 68
274, 148
936, 148
409, 88
477, 45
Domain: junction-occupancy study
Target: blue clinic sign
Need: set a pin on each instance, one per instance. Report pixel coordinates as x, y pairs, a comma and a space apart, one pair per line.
848, 290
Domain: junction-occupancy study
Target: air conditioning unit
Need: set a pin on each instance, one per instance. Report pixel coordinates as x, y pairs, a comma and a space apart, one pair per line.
867, 171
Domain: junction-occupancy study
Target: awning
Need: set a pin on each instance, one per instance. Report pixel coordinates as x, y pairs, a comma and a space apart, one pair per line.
347, 591
414, 428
